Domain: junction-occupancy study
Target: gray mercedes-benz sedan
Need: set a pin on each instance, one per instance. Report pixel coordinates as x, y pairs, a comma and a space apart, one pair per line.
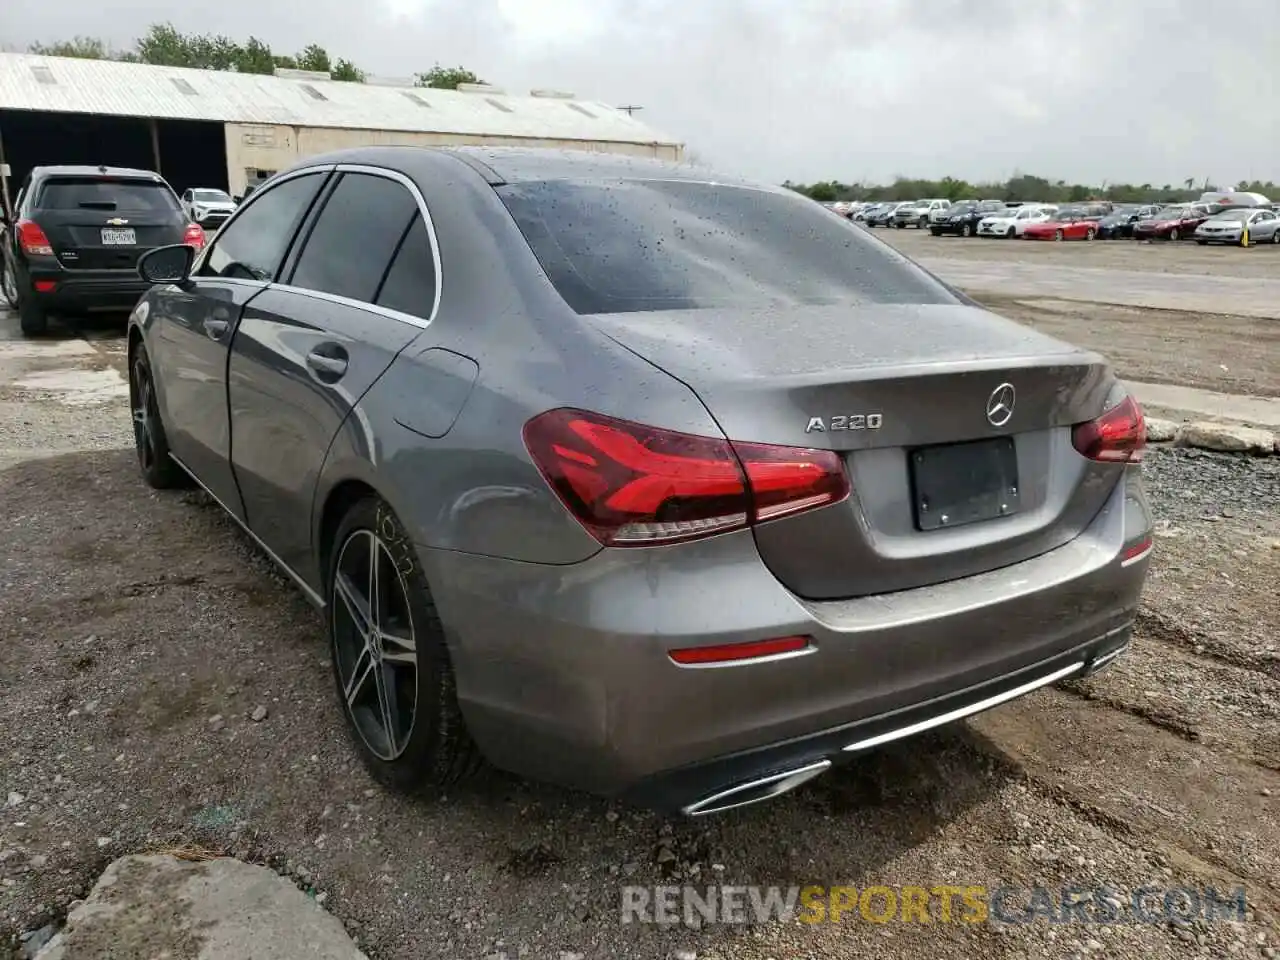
662, 485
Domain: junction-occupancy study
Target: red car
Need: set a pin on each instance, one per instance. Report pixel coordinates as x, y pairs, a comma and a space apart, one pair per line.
1069, 223
1173, 222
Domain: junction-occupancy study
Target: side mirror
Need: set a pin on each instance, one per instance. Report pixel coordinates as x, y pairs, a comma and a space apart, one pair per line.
170, 264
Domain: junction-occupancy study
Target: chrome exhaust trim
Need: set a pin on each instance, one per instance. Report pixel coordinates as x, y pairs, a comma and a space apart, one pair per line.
966, 711
1105, 660
756, 791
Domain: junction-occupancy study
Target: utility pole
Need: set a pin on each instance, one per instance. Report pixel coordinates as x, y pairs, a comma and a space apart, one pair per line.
630, 110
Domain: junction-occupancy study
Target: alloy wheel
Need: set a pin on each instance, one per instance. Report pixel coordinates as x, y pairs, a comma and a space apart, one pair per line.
1173, 234
9, 285
1057, 235
375, 651
142, 403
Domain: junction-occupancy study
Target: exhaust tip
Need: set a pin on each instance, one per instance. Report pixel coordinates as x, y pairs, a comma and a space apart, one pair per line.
755, 791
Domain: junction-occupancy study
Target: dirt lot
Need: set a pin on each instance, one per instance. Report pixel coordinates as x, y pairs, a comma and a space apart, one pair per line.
140, 632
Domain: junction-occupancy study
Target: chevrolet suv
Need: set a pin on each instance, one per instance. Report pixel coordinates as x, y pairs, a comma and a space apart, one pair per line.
77, 235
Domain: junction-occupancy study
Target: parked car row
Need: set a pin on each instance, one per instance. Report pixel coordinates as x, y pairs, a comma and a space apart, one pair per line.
1232, 218
77, 234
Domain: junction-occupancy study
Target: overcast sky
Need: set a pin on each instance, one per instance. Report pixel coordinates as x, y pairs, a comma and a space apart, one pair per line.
1119, 90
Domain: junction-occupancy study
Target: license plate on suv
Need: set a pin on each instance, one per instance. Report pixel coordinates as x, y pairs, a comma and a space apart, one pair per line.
962, 483
117, 237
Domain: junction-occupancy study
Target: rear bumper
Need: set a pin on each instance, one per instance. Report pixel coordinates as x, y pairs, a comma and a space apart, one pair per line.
87, 290
563, 672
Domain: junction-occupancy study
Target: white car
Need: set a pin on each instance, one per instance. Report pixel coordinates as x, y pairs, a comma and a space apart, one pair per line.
1012, 223
208, 207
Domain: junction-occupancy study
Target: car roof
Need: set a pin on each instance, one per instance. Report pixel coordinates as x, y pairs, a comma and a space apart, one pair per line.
84, 170
502, 165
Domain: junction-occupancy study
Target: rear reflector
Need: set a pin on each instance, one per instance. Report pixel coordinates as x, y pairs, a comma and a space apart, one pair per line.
46, 286
732, 652
194, 236
1118, 436
1136, 551
634, 485
33, 240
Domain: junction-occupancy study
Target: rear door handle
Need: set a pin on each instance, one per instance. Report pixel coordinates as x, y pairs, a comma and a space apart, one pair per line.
216, 328
328, 362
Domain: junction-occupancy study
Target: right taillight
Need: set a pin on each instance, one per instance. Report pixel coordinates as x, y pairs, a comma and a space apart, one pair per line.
1118, 436
33, 240
636, 485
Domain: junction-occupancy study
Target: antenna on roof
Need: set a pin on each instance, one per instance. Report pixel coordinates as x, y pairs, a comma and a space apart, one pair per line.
630, 110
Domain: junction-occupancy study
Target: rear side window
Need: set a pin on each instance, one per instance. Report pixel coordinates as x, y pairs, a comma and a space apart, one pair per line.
355, 236
253, 245
410, 286
104, 193
640, 245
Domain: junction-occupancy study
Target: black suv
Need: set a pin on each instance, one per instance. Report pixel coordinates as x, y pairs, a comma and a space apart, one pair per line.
76, 237
963, 217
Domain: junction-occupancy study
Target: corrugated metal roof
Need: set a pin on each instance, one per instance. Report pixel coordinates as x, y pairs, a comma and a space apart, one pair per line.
66, 85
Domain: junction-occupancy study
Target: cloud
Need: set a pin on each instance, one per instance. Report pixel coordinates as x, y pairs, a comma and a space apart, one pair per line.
1138, 90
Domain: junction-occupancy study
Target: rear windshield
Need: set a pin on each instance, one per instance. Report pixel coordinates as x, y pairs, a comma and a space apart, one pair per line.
625, 246
99, 193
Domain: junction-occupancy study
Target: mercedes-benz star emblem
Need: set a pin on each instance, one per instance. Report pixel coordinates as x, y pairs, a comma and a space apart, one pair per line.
1000, 404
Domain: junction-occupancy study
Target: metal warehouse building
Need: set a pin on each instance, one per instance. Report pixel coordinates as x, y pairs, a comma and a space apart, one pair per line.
219, 129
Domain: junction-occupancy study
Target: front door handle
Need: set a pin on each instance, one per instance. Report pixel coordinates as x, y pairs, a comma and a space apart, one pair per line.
216, 328
328, 363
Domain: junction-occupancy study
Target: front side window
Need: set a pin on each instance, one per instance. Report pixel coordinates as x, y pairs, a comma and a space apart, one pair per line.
618, 246
349, 249
253, 245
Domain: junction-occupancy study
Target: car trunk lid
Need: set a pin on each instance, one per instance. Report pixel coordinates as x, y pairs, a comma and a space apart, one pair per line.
908, 394
106, 223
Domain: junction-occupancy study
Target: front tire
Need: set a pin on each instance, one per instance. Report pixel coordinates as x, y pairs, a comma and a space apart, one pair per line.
1058, 235
1174, 234
149, 440
1089, 234
966, 230
935, 231
391, 663
1010, 233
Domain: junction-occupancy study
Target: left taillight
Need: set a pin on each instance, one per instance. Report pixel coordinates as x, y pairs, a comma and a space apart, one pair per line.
1118, 436
194, 236
32, 239
634, 485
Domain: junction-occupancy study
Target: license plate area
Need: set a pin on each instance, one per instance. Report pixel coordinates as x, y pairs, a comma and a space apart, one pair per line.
116, 237
960, 483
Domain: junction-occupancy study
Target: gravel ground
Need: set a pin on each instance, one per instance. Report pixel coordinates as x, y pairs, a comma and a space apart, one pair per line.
142, 634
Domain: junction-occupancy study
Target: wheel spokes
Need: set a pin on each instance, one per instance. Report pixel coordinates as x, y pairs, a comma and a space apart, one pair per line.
372, 620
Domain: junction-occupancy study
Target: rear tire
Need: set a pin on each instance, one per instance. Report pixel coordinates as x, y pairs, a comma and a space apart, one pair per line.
32, 318
1275, 238
149, 440
1058, 235
1203, 242
1089, 234
1174, 234
9, 285
935, 231
391, 663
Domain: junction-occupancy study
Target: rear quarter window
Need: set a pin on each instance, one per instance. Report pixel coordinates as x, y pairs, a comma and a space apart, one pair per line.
75, 193
624, 246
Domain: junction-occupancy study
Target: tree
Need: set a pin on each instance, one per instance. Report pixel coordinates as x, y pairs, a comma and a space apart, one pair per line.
313, 57
164, 45
346, 70
83, 48
446, 78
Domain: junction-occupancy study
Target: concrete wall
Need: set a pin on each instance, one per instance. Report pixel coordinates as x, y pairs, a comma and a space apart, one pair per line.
273, 148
